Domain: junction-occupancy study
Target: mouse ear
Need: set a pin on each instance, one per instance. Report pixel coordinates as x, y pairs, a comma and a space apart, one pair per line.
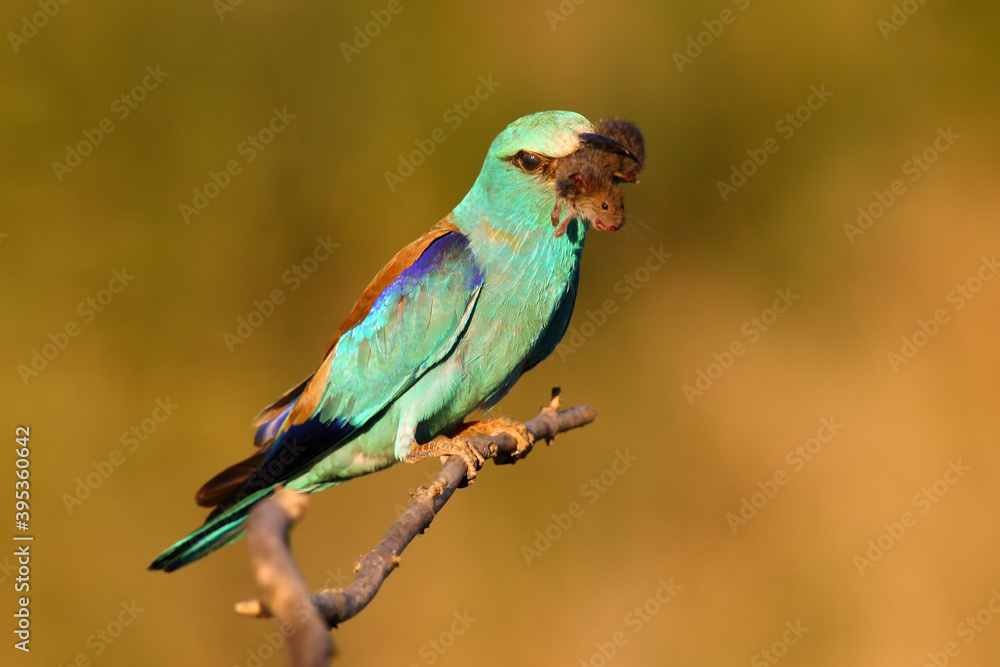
581, 181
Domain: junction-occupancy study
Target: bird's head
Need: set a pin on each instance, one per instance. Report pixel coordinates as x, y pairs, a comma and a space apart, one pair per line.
517, 187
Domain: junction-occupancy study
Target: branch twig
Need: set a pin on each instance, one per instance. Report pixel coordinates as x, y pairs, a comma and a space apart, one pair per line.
338, 605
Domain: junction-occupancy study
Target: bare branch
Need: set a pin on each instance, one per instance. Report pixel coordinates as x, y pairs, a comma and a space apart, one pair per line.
282, 588
339, 605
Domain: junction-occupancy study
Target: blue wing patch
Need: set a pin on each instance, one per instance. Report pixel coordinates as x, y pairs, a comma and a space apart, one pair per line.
413, 324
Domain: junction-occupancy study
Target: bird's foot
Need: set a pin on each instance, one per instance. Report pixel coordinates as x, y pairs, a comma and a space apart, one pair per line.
502, 426
448, 447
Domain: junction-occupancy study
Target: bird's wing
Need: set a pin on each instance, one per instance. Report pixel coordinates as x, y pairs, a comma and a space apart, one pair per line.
269, 420
408, 319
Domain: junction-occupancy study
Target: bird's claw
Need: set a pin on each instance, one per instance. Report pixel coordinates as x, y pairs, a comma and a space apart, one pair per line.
503, 426
445, 447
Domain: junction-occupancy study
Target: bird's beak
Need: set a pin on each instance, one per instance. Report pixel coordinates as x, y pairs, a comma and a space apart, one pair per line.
606, 143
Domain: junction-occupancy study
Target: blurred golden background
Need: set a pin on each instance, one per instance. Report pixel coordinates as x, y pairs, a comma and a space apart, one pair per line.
793, 580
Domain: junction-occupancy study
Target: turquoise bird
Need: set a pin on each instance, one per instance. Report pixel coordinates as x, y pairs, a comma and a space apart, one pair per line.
447, 327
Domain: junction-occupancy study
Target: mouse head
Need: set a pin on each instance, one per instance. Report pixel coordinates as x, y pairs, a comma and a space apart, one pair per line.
594, 197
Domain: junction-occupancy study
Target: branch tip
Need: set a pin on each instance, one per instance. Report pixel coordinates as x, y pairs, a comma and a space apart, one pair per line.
251, 608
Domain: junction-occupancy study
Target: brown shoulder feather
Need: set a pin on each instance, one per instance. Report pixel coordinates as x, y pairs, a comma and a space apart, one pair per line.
402, 261
273, 410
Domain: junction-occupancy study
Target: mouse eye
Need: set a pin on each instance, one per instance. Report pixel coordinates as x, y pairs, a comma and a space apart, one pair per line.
604, 206
529, 162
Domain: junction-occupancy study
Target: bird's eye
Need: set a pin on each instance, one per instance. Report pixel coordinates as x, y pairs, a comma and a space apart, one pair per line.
604, 206
528, 161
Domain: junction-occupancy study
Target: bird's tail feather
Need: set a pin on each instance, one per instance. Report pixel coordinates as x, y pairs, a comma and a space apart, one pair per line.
215, 534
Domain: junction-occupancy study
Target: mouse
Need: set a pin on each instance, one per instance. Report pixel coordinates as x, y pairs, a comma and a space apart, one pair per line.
587, 180
624, 168
592, 195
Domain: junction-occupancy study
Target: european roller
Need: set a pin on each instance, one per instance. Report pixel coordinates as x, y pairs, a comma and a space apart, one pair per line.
445, 328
